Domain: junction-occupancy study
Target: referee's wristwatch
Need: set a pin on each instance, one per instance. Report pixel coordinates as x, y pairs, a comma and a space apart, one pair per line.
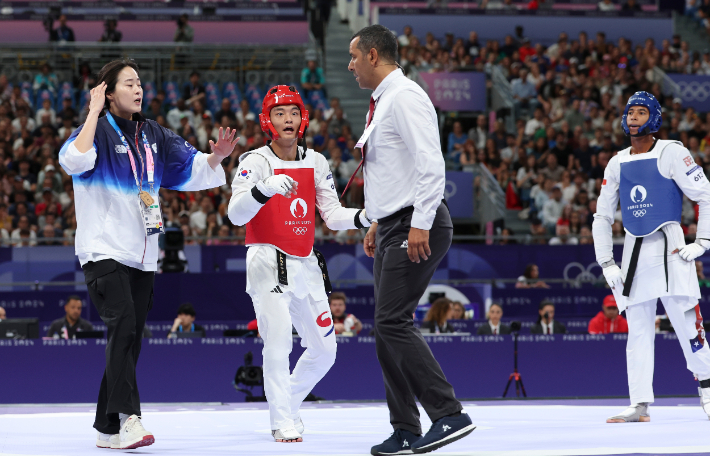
364, 214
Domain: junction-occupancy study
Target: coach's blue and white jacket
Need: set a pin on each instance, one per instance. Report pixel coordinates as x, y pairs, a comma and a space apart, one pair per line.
109, 222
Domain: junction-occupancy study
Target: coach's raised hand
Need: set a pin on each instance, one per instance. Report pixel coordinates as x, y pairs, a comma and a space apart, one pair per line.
223, 148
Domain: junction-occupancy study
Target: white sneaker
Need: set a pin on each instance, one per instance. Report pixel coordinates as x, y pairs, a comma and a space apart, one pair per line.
705, 399
298, 424
633, 414
133, 435
107, 440
287, 435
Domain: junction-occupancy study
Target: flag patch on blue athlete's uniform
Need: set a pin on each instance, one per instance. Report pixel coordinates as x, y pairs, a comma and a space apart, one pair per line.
696, 344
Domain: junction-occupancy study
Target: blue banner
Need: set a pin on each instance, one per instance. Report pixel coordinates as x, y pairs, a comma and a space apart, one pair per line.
463, 261
459, 193
345, 262
694, 90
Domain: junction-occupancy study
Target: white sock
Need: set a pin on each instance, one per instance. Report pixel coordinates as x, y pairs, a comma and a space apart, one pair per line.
123, 418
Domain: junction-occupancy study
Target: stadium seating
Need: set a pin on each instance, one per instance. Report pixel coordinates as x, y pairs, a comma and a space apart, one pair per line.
65, 91
254, 94
318, 100
84, 99
42, 95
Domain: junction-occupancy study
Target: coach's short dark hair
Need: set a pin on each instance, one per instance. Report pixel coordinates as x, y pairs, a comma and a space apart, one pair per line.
380, 38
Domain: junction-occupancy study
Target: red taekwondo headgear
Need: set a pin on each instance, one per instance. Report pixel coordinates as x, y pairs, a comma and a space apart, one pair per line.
279, 96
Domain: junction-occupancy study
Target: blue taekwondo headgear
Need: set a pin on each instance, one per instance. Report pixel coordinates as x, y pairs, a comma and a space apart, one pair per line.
653, 124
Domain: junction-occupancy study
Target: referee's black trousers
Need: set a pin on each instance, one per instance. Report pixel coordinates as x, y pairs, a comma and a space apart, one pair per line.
409, 368
123, 296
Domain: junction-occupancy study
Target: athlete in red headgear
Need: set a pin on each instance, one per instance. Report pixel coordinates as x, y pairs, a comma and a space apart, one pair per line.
275, 192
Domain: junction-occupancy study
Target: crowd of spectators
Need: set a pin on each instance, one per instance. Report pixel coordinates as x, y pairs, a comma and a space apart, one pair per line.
38, 199
37, 204
699, 10
568, 101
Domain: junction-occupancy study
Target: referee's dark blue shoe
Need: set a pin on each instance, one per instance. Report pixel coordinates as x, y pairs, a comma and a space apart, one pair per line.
400, 442
444, 431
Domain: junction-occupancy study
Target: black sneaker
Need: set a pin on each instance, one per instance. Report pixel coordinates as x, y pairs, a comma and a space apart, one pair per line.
444, 431
400, 442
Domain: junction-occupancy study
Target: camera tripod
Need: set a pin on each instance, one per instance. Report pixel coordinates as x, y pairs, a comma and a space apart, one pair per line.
515, 375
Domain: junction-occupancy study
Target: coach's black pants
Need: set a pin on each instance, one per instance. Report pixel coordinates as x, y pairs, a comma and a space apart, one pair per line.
123, 296
408, 366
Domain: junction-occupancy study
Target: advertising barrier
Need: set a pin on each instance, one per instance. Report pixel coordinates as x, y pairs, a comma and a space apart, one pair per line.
694, 90
457, 91
202, 370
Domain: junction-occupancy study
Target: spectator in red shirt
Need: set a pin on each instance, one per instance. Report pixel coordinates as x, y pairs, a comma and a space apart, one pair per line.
608, 320
344, 322
526, 50
47, 200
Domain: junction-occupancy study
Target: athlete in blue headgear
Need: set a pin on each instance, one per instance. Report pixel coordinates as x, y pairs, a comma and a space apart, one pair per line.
649, 179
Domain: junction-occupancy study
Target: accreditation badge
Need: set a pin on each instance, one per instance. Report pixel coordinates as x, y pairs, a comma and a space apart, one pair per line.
152, 218
365, 135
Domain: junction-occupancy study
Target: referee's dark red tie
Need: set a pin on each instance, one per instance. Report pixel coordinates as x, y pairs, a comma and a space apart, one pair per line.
370, 113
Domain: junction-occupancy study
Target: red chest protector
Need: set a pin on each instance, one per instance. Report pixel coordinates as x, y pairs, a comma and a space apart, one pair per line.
288, 223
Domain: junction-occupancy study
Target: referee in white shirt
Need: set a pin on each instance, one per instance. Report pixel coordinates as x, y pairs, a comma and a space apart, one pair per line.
404, 190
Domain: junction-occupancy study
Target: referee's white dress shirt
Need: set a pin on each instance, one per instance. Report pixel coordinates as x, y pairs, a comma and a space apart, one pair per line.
404, 165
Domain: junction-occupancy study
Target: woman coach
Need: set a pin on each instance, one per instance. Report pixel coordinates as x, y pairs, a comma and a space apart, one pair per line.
118, 162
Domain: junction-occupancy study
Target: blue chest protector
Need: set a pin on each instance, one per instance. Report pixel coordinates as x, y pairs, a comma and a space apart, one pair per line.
648, 200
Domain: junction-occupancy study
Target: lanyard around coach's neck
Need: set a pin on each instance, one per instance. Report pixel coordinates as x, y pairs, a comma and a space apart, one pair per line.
150, 165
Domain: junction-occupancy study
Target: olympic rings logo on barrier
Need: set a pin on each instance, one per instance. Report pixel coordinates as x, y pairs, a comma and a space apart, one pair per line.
694, 90
640, 213
584, 275
450, 189
299, 230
